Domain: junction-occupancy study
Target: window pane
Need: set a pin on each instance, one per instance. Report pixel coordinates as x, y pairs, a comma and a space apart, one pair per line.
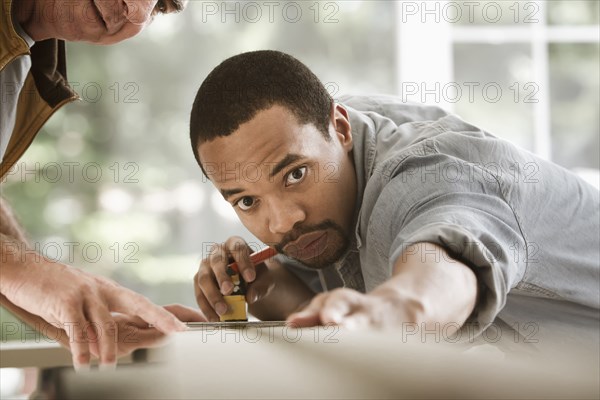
489, 13
500, 101
573, 12
575, 92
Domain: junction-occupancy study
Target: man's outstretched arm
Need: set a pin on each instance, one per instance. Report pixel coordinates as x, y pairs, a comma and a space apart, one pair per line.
425, 288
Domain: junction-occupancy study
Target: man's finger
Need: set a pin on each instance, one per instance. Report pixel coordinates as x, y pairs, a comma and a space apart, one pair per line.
185, 314
211, 292
310, 315
146, 338
357, 320
131, 303
205, 307
240, 251
217, 263
76, 326
106, 333
338, 305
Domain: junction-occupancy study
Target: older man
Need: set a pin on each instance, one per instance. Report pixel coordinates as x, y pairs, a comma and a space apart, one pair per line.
387, 214
34, 85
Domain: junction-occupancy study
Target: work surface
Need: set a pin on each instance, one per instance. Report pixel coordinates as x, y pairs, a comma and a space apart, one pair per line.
326, 362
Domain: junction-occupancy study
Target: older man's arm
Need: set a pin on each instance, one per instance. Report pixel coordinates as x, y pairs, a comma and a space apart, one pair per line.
42, 291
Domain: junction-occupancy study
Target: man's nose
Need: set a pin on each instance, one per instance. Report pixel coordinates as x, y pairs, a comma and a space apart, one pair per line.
139, 12
284, 215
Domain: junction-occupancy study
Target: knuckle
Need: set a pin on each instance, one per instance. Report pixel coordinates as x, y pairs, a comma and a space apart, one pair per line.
205, 278
82, 357
212, 299
204, 268
215, 250
237, 245
234, 240
110, 359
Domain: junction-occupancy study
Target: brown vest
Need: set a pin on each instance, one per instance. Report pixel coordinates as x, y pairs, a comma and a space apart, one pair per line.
45, 89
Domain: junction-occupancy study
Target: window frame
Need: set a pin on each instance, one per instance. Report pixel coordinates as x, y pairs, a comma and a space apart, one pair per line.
439, 37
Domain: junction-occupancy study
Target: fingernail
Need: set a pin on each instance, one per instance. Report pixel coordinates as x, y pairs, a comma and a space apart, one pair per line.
221, 308
350, 324
108, 366
334, 317
81, 367
227, 287
249, 275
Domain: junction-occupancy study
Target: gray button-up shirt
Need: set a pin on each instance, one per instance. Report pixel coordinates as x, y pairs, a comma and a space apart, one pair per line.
528, 228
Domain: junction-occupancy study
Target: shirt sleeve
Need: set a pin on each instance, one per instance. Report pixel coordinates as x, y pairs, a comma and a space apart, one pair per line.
464, 213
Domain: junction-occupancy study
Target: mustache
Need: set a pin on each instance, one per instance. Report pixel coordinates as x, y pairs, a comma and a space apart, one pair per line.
298, 231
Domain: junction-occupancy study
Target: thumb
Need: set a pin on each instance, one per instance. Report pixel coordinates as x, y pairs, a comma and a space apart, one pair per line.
185, 314
310, 315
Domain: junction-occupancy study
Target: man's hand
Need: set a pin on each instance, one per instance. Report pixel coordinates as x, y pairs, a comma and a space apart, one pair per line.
135, 333
80, 304
382, 308
211, 282
131, 331
426, 287
272, 291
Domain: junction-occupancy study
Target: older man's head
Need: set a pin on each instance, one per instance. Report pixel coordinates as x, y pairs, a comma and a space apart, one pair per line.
94, 21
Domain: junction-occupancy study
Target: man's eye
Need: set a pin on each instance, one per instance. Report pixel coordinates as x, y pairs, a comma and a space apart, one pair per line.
296, 176
245, 203
161, 7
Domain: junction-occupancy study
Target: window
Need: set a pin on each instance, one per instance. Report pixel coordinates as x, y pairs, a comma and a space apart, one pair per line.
526, 71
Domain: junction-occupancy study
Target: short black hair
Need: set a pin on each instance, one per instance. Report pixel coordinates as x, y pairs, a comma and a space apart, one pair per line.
241, 86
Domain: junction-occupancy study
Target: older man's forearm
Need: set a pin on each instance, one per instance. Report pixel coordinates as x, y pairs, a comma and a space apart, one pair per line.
9, 225
13, 251
13, 247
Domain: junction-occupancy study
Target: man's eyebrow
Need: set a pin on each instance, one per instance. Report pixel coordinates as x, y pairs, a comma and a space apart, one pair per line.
230, 192
178, 5
287, 160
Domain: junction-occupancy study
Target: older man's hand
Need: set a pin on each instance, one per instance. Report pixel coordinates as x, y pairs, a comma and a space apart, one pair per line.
81, 305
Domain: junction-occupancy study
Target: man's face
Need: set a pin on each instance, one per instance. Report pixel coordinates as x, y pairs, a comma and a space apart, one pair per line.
290, 187
95, 21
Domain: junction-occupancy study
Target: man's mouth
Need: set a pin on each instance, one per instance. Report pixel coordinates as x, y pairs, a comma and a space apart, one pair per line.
307, 246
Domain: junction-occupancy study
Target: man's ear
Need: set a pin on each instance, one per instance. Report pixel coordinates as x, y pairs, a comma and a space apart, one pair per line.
341, 125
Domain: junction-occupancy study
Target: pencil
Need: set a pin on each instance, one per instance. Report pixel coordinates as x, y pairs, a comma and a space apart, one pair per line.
256, 258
